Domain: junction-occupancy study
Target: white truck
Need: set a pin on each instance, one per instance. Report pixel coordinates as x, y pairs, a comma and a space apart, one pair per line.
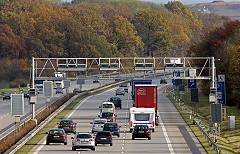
142, 116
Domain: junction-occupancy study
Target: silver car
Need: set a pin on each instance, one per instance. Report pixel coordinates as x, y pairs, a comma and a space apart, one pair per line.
97, 125
83, 141
120, 91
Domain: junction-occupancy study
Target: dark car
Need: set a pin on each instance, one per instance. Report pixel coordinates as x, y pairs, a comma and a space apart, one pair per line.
6, 96
112, 127
141, 131
111, 117
26, 94
95, 81
59, 91
68, 125
76, 91
163, 81
56, 135
116, 101
103, 137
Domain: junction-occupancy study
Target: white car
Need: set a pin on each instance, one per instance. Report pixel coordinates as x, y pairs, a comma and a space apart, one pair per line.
120, 91
97, 125
83, 141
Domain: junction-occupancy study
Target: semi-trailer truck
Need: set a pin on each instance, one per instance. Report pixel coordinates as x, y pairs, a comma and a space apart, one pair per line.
146, 97
136, 82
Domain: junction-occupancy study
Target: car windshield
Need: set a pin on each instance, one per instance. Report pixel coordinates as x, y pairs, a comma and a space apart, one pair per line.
107, 114
141, 127
65, 122
7, 94
107, 105
99, 122
84, 136
114, 99
103, 134
111, 125
56, 131
142, 117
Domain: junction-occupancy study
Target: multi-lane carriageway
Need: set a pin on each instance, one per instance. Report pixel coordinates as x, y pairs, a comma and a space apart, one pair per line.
171, 136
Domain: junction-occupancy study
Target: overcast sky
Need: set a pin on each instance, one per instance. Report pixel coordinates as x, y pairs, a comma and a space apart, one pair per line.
187, 1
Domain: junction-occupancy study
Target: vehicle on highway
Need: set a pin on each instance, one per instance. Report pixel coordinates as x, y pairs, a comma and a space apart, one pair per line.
96, 81
59, 91
103, 137
112, 127
68, 125
116, 101
59, 84
76, 91
125, 87
6, 96
97, 124
56, 135
120, 91
142, 116
163, 81
141, 131
83, 141
26, 94
107, 107
111, 117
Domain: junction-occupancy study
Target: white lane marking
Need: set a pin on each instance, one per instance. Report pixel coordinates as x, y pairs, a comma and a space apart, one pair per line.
166, 137
5, 115
81, 102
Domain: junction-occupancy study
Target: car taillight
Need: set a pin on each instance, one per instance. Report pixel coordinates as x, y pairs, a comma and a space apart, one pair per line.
131, 123
61, 135
49, 135
153, 123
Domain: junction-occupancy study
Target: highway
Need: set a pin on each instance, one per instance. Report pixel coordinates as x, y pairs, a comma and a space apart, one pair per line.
171, 136
5, 106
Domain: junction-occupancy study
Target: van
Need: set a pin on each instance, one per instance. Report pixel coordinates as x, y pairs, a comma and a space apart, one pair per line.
107, 107
142, 116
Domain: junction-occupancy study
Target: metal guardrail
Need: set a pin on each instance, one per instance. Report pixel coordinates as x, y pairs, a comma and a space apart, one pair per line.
211, 140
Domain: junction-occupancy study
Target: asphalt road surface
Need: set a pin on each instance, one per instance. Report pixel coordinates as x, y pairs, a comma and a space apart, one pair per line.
6, 119
171, 136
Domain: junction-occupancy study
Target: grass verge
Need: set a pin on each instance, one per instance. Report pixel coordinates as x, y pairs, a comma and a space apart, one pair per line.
229, 140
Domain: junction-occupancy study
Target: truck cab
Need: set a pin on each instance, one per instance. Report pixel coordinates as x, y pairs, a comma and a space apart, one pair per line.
142, 116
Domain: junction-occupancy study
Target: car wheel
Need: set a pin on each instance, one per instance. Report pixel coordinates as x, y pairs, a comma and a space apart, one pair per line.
47, 143
120, 107
133, 138
65, 143
110, 144
118, 135
95, 144
93, 149
131, 130
73, 149
149, 138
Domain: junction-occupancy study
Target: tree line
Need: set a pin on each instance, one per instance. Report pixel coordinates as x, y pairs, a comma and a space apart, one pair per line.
108, 28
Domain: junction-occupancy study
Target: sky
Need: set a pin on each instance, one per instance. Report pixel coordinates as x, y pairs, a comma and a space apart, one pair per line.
188, 1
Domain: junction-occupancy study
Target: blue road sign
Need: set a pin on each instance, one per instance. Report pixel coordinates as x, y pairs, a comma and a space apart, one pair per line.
177, 73
194, 95
192, 83
221, 92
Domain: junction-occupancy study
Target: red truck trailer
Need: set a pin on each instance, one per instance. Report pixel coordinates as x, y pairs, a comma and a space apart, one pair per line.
146, 97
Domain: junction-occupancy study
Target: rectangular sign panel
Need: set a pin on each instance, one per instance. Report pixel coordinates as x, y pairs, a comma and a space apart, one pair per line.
17, 104
216, 112
48, 88
194, 95
80, 81
66, 83
221, 89
192, 83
